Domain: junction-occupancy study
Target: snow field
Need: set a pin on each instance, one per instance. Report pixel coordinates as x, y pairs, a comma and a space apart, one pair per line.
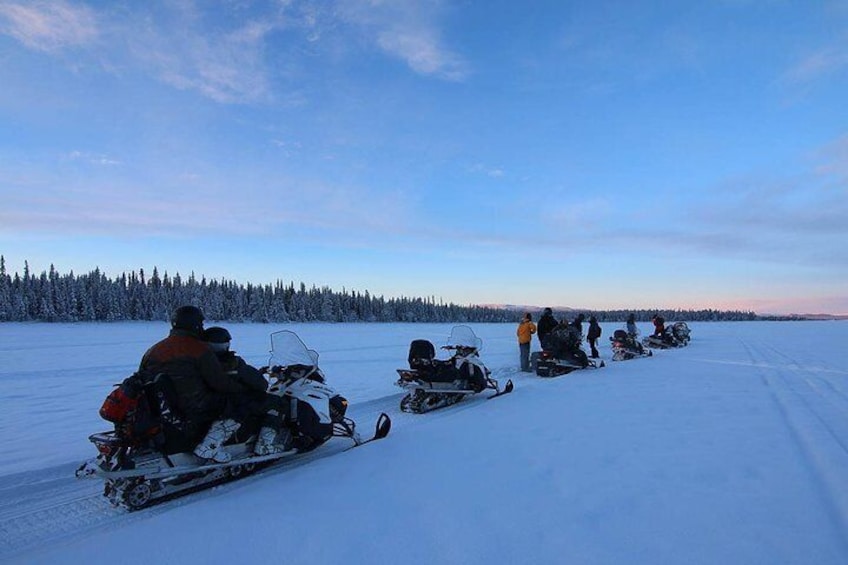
731, 450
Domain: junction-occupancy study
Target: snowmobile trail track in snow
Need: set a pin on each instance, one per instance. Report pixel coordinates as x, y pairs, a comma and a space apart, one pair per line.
70, 508
813, 420
49, 506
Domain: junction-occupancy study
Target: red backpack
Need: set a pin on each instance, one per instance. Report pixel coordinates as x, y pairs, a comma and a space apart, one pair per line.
128, 407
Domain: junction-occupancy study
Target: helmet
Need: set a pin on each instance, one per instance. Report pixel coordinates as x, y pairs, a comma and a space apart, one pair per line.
218, 338
187, 318
548, 311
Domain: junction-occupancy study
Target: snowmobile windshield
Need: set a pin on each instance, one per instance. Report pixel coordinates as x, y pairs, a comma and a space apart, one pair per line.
463, 336
287, 349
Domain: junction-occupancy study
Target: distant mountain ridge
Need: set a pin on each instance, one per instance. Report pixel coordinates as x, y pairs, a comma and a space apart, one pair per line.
534, 308
820, 316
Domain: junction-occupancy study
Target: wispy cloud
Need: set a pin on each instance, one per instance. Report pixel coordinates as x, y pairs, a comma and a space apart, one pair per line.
48, 26
480, 168
407, 30
92, 158
589, 212
224, 65
222, 52
814, 66
121, 207
834, 163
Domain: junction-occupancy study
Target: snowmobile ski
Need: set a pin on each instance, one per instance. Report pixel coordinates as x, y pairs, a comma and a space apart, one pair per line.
508, 387
382, 428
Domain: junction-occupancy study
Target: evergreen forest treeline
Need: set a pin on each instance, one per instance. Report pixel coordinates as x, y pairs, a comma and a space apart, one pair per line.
54, 297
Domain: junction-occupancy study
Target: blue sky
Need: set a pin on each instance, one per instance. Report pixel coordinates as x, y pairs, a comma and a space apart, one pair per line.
604, 154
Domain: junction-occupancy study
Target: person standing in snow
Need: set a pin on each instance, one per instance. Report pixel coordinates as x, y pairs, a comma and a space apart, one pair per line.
525, 331
546, 325
593, 335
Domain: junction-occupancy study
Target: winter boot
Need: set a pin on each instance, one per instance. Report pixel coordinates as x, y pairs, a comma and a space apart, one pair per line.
212, 446
271, 441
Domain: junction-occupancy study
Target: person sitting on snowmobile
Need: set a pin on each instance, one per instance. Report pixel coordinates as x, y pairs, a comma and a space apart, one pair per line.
254, 406
564, 339
546, 324
197, 379
577, 324
632, 330
633, 334
659, 326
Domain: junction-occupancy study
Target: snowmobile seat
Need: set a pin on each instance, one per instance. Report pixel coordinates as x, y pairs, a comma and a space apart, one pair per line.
421, 354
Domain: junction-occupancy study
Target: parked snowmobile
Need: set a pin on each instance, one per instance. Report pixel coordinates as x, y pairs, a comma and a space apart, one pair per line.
142, 468
624, 347
676, 335
436, 383
562, 353
680, 331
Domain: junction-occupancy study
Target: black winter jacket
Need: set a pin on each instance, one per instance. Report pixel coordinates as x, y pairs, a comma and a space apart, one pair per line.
238, 369
546, 324
594, 330
198, 378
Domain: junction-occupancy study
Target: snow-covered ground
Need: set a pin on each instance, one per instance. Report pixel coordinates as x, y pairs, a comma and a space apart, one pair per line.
733, 450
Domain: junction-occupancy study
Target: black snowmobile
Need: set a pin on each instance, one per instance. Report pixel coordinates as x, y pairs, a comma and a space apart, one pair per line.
436, 383
147, 457
562, 353
625, 347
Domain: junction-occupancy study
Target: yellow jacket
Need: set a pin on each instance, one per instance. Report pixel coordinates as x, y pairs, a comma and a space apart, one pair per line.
525, 331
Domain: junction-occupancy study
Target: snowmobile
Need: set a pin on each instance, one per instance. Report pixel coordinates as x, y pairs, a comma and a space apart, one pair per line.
624, 347
435, 383
562, 353
141, 469
680, 331
676, 335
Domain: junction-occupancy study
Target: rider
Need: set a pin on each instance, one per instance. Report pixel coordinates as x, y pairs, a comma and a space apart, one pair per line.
659, 326
546, 324
632, 330
254, 405
198, 381
577, 324
633, 333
